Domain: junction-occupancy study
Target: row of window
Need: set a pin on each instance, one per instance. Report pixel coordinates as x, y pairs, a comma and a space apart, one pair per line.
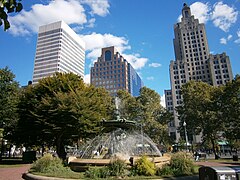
107, 68
45, 45
182, 76
107, 63
218, 67
40, 76
183, 81
49, 32
193, 33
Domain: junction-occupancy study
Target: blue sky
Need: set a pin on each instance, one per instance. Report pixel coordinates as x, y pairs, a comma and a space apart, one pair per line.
142, 31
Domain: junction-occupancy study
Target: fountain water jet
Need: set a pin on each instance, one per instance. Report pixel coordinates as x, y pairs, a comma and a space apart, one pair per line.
121, 139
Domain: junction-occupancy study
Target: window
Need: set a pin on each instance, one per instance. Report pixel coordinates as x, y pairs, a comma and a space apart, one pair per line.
108, 55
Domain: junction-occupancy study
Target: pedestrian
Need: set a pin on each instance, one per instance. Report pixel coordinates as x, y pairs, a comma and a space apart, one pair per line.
196, 154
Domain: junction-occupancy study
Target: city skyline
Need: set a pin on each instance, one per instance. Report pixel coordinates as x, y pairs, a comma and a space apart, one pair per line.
141, 30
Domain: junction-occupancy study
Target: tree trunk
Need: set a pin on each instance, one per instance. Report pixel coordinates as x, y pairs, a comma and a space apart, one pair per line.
214, 150
60, 148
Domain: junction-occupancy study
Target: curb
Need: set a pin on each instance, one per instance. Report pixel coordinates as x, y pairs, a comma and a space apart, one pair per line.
29, 176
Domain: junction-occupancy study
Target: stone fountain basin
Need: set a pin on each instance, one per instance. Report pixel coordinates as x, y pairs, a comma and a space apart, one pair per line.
80, 165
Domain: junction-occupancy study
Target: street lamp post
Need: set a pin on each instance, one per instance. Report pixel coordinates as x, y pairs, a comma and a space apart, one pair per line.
185, 131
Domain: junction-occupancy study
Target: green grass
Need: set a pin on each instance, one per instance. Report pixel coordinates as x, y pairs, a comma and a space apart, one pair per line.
195, 169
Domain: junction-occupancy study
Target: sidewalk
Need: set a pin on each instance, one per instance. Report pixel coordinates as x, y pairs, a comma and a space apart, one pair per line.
207, 163
13, 173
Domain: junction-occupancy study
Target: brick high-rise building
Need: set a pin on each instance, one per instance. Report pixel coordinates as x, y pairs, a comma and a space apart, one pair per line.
114, 73
193, 61
59, 49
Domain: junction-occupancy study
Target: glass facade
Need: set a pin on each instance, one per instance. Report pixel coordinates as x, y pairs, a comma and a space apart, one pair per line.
135, 82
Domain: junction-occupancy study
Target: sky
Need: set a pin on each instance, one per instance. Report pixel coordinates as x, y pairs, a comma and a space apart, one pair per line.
141, 30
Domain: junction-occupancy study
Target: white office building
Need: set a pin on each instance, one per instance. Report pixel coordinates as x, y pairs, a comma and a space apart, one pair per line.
59, 49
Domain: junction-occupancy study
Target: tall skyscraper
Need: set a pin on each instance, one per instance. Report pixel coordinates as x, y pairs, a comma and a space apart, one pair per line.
59, 49
193, 61
114, 73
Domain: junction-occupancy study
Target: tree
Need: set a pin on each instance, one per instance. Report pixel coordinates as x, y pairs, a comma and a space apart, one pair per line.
148, 113
129, 106
59, 109
153, 116
201, 111
231, 110
9, 89
6, 7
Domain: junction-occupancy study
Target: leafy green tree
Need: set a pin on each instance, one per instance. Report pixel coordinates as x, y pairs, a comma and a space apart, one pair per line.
153, 116
230, 108
129, 106
9, 89
6, 7
59, 109
147, 111
201, 111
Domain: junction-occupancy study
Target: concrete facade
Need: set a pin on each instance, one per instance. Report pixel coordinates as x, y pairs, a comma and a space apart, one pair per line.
59, 49
193, 61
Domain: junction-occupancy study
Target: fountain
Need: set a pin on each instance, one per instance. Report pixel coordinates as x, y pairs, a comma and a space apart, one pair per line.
120, 139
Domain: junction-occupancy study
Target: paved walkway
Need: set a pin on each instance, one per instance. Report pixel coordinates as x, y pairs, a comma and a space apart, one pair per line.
206, 163
13, 173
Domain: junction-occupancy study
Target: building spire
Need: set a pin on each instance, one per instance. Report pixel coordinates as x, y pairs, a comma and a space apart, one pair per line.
186, 12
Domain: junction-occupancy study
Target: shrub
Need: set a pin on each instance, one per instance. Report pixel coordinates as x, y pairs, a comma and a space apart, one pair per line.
144, 167
47, 163
97, 172
53, 166
165, 170
181, 164
117, 167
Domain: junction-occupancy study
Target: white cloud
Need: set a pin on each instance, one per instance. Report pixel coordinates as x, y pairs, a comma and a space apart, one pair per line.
238, 33
223, 41
229, 37
163, 103
70, 11
94, 43
26, 22
155, 65
224, 16
238, 40
87, 78
150, 78
99, 7
200, 11
91, 23
135, 60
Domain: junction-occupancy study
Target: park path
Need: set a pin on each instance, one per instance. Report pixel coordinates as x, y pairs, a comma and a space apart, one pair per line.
13, 173
206, 163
